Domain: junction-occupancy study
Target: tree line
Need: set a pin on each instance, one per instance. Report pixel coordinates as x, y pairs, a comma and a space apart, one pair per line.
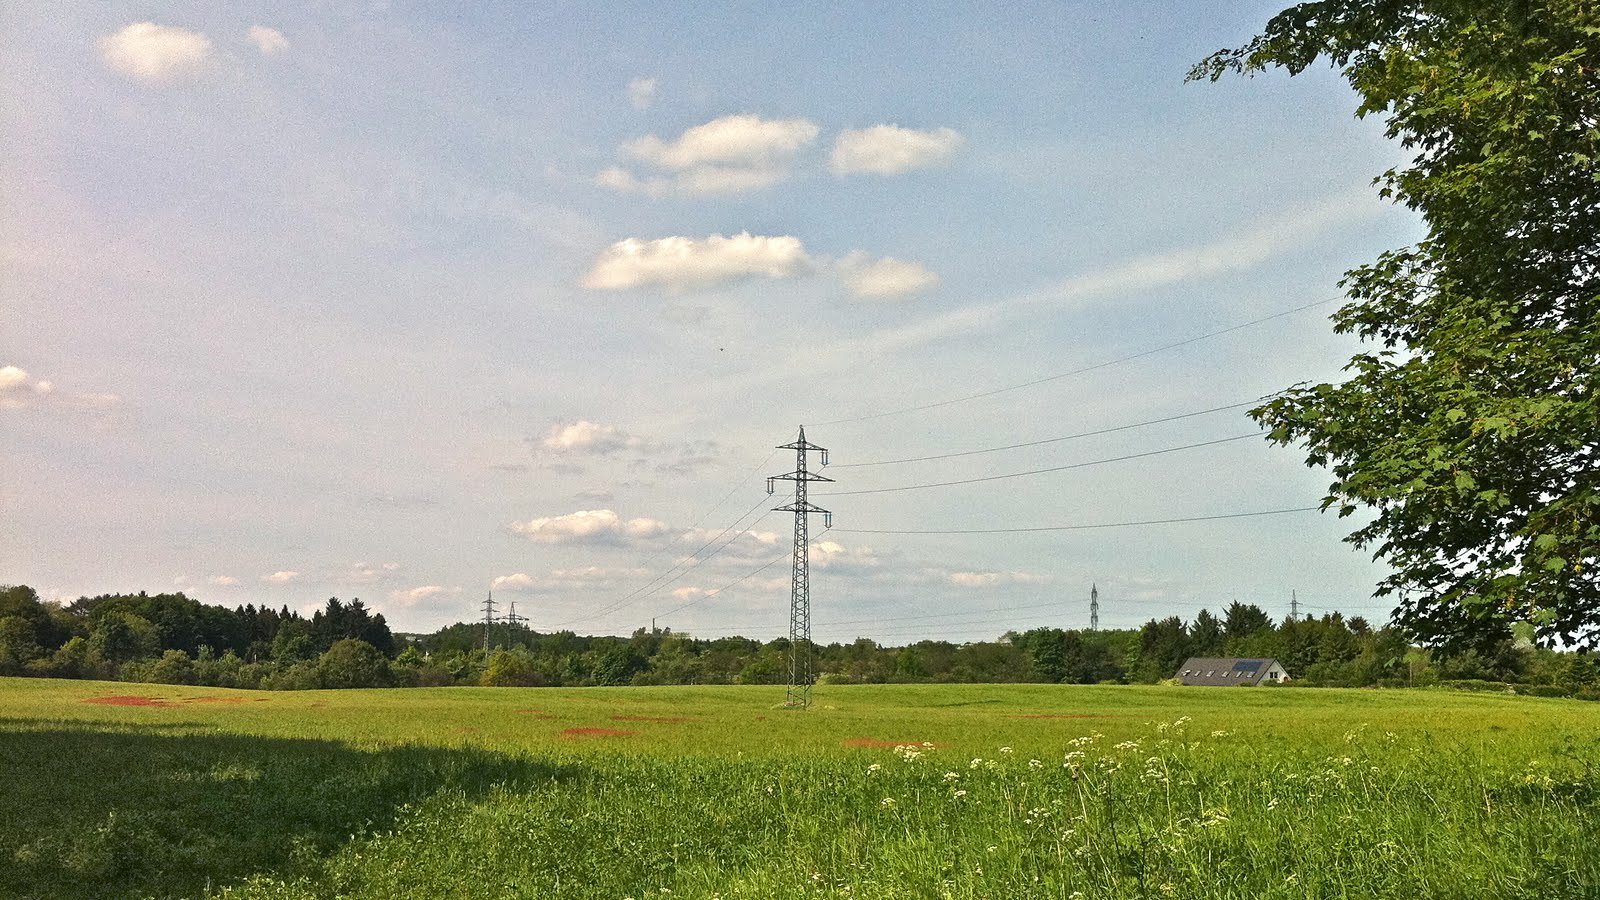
172, 638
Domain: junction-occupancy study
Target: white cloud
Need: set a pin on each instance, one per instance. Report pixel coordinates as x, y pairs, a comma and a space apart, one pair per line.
740, 545
884, 279
268, 40
281, 577
890, 149
413, 596
680, 262
723, 156
513, 582
834, 555
993, 579
149, 52
744, 141
689, 593
223, 580
642, 92
18, 388
587, 526
586, 437
366, 573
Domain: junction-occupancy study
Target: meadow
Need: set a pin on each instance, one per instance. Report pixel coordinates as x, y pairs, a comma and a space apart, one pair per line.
879, 791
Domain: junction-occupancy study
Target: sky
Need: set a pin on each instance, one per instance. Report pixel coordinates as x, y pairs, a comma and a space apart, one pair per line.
406, 302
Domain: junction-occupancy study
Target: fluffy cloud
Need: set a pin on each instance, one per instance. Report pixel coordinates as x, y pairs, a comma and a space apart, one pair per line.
993, 579
268, 40
642, 92
586, 437
18, 388
745, 141
726, 155
413, 596
223, 580
890, 149
680, 262
518, 581
281, 577
587, 526
833, 555
149, 52
884, 279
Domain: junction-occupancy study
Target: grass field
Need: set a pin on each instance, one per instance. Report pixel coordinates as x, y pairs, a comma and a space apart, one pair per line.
124, 790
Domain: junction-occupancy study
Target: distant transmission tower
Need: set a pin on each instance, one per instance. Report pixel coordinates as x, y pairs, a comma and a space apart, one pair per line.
511, 618
1094, 607
488, 620
800, 675
1294, 605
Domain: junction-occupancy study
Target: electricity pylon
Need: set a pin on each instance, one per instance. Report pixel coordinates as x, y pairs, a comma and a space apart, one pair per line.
488, 620
1094, 607
800, 675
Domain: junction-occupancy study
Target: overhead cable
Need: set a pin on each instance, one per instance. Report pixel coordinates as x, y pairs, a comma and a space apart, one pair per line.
1242, 515
1101, 365
1054, 440
689, 562
1081, 465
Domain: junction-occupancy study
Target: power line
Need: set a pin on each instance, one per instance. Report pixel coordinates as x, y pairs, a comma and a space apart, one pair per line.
1242, 515
737, 581
690, 561
1054, 440
1081, 465
1049, 378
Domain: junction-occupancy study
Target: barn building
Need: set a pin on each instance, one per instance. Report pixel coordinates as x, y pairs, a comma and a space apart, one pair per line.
1230, 671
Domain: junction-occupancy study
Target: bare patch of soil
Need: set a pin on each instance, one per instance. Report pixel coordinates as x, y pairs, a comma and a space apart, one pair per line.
130, 701
596, 732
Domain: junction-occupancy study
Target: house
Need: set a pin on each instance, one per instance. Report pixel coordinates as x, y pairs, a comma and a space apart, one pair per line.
1230, 671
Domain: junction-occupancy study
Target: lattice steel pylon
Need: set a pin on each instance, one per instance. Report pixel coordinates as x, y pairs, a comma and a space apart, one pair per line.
1094, 607
800, 674
488, 619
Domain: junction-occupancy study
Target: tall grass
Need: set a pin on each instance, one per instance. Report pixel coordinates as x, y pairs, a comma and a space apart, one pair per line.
1246, 794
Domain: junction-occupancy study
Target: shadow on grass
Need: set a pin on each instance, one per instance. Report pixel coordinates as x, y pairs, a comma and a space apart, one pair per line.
117, 811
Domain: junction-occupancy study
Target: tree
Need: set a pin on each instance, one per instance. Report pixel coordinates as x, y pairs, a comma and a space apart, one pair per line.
1470, 427
510, 668
350, 663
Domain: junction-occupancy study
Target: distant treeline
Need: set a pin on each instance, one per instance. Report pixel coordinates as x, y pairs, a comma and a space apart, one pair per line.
171, 638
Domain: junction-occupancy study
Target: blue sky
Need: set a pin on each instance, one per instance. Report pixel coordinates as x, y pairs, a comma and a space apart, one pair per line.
400, 301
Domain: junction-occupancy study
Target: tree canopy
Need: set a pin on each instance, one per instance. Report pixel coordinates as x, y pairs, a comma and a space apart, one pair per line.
1469, 428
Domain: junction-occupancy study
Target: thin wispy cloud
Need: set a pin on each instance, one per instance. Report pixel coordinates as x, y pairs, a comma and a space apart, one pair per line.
268, 40
642, 92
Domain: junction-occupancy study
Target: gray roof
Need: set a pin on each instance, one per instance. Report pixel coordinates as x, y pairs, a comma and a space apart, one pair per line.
1225, 671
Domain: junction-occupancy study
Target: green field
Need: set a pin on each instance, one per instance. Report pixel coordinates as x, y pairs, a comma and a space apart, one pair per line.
700, 792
